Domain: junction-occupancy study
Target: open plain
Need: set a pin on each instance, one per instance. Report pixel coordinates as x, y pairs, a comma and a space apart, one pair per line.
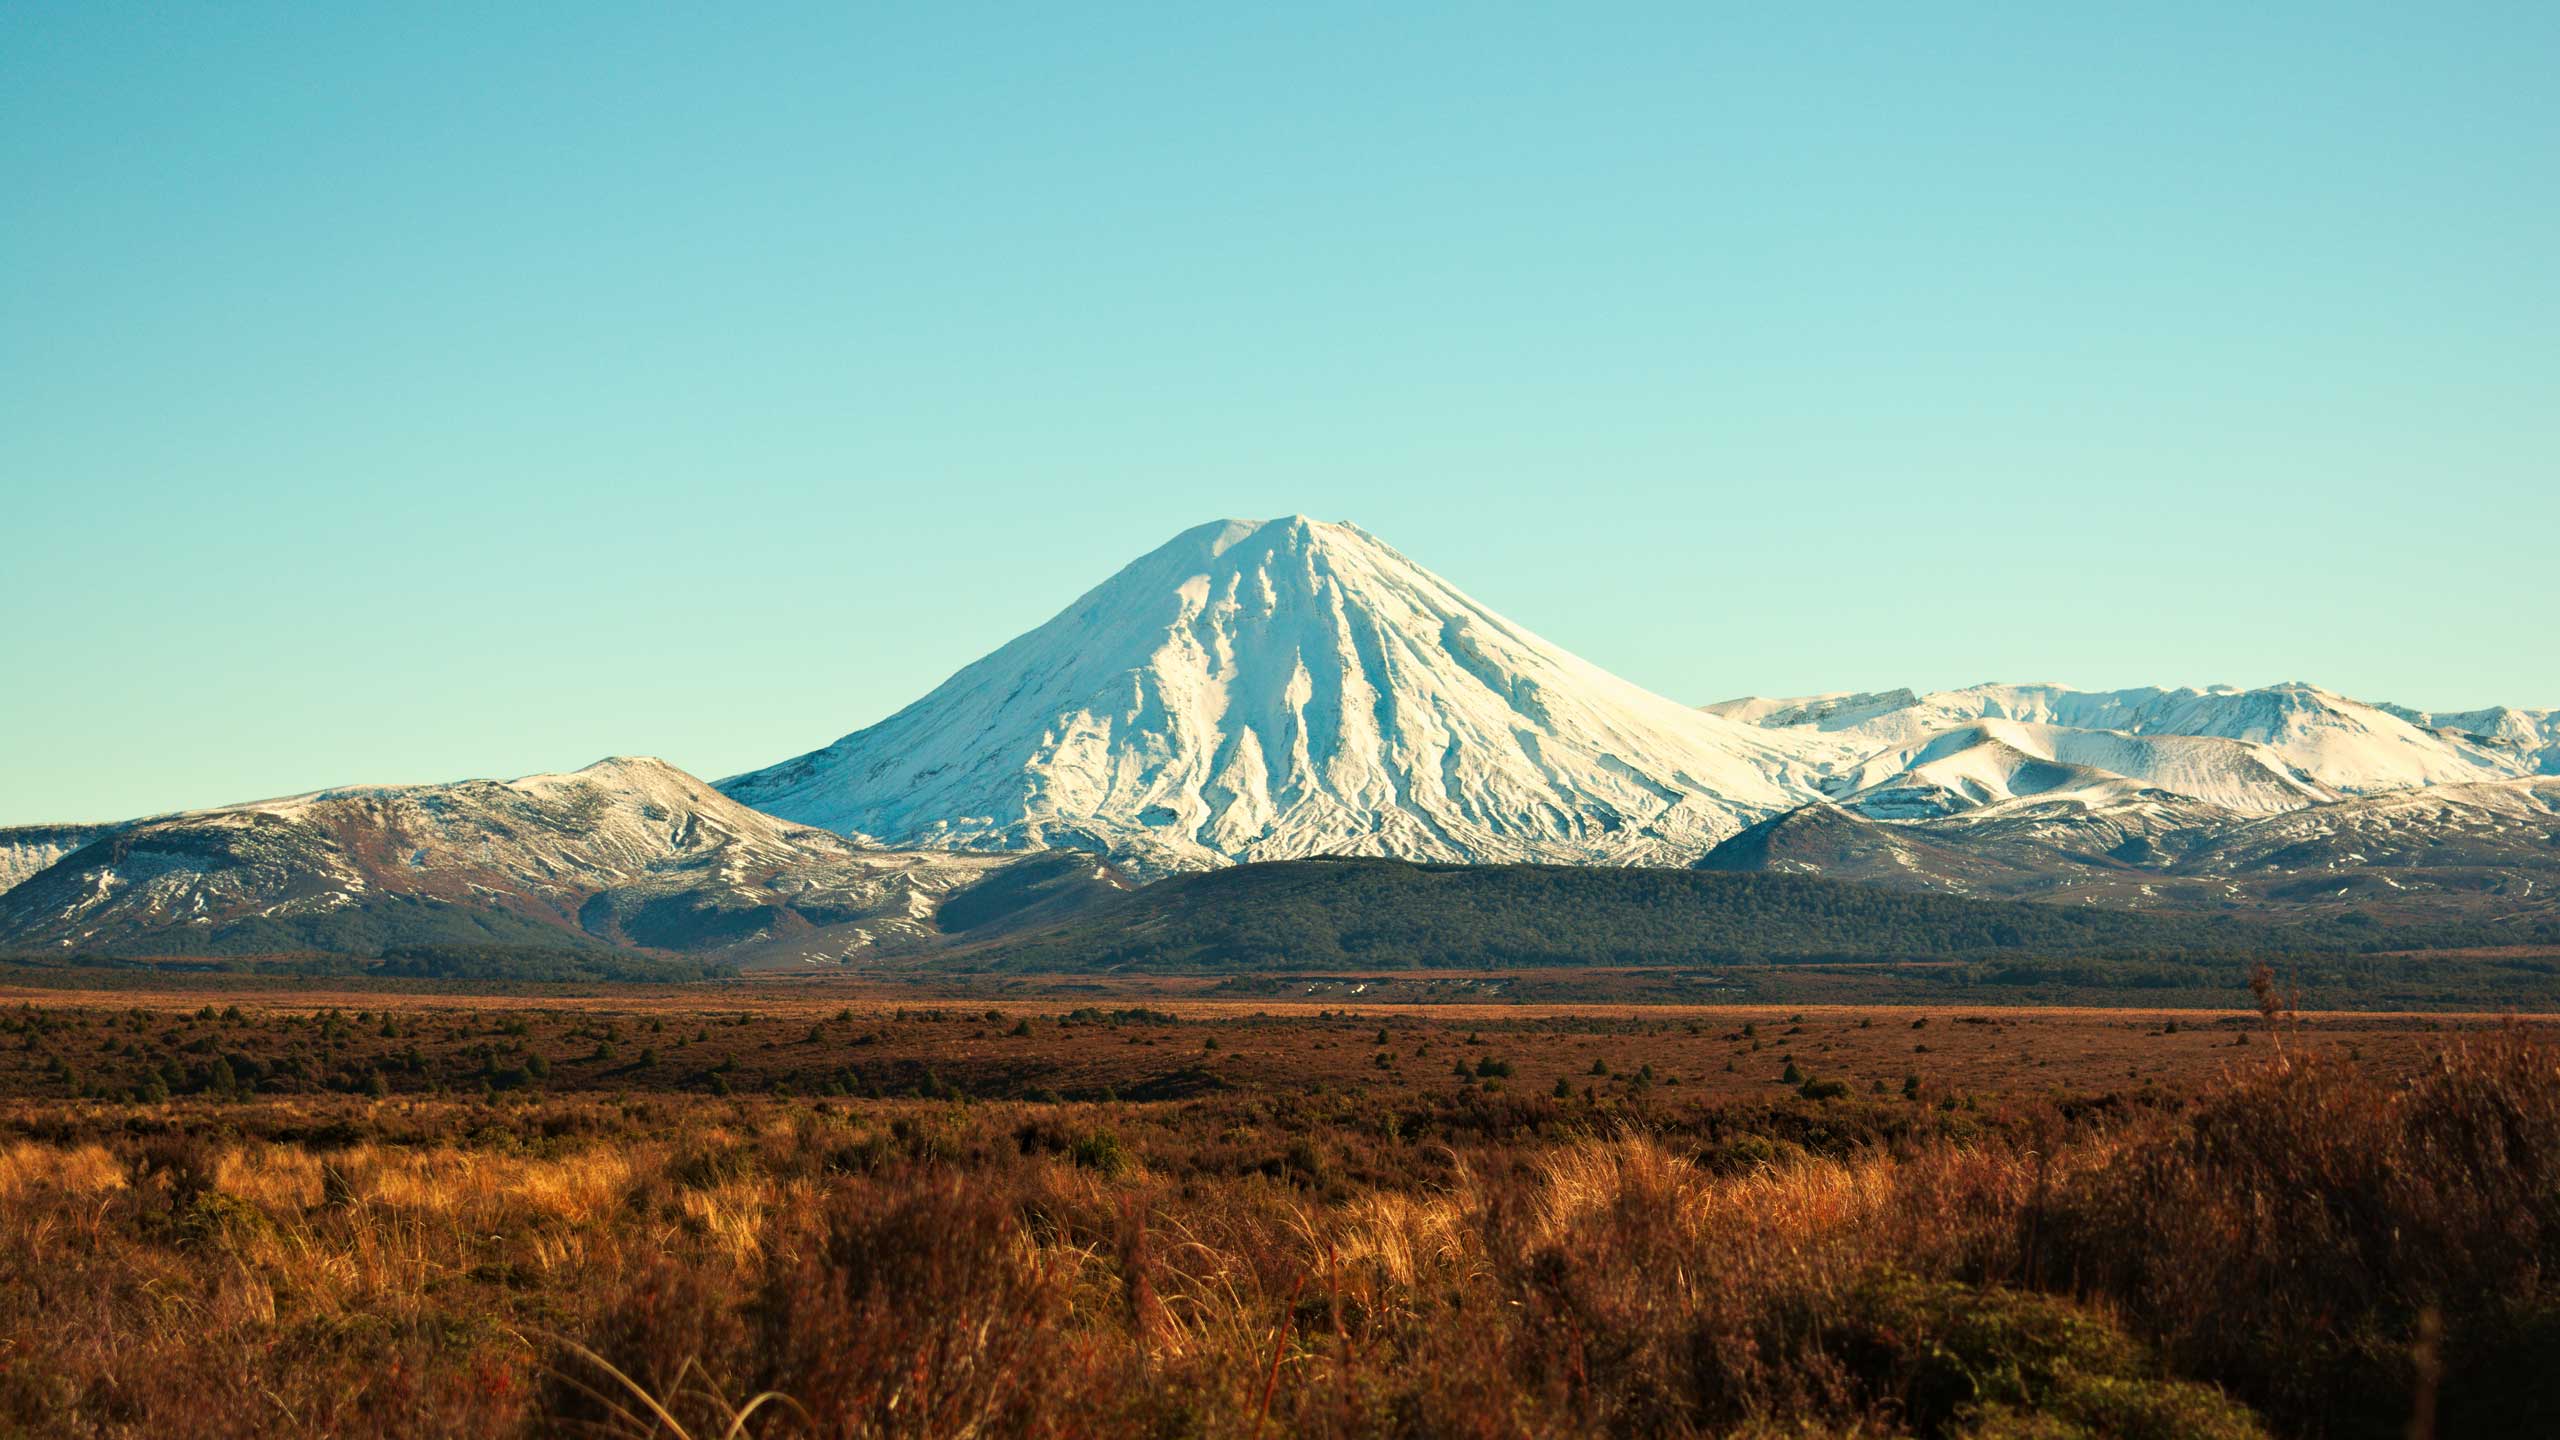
801, 1209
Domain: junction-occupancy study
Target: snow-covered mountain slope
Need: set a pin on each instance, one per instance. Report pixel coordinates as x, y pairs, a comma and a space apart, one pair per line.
2325, 740
26, 849
629, 852
1263, 690
2529, 738
1986, 762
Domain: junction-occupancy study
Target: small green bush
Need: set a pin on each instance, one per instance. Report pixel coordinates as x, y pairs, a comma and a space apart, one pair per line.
1101, 1151
1994, 1364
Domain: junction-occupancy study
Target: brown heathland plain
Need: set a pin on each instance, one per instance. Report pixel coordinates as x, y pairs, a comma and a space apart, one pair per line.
797, 1210
1155, 1039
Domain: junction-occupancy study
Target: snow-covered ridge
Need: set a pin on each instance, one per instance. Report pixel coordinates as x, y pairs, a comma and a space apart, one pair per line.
1986, 762
2530, 738
1267, 689
2253, 751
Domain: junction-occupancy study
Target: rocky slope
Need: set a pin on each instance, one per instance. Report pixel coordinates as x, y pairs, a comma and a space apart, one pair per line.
2489, 849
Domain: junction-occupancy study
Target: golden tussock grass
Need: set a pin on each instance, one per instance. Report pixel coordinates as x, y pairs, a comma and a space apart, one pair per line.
2263, 1253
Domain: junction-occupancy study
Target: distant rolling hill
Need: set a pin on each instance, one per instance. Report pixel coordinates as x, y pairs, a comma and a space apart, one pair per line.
631, 854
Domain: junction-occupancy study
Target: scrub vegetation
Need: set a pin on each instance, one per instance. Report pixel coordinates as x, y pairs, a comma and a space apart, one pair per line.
640, 1215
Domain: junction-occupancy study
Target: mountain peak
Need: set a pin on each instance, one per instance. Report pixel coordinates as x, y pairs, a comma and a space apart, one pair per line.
1284, 531
626, 769
1274, 688
612, 764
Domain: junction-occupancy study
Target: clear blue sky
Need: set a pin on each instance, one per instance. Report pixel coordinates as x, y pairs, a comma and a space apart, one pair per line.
411, 392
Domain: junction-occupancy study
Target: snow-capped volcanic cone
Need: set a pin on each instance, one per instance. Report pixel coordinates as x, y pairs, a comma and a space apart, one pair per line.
1269, 689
